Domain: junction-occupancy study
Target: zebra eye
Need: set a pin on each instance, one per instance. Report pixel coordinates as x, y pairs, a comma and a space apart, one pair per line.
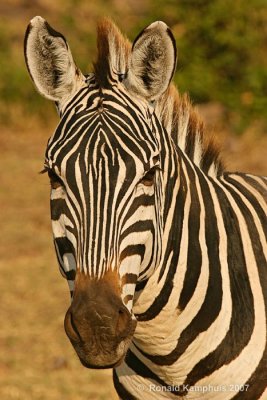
55, 181
149, 177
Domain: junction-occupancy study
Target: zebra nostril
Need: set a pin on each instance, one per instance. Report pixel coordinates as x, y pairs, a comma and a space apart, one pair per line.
71, 328
123, 322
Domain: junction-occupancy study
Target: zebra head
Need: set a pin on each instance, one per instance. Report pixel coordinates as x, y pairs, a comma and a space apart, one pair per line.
105, 164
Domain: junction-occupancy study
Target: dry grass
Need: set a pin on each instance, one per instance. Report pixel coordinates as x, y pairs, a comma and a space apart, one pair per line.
36, 360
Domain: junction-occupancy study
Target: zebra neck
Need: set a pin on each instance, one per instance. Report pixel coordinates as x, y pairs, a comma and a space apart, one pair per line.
184, 264
175, 195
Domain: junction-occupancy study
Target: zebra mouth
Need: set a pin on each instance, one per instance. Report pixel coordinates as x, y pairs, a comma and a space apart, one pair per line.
108, 366
99, 326
100, 352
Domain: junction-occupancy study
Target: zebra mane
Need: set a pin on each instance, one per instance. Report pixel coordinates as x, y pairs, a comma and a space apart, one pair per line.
175, 111
113, 52
187, 130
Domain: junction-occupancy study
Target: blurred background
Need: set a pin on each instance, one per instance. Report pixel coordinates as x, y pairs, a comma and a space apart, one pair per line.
222, 64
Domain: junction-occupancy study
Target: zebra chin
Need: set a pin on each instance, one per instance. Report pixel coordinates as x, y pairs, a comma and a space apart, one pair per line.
102, 360
98, 324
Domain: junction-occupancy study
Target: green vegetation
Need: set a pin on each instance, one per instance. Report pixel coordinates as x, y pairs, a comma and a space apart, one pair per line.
223, 52
222, 48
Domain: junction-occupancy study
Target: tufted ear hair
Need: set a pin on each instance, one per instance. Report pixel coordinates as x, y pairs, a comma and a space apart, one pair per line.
152, 61
49, 62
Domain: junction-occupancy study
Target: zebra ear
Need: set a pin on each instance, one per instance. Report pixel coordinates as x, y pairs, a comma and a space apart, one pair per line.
49, 61
152, 61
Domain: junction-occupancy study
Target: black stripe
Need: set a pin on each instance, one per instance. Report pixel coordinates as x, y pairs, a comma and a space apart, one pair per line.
57, 207
250, 197
70, 132
141, 369
64, 246
255, 184
129, 278
70, 275
194, 255
190, 140
121, 390
120, 120
142, 200
126, 100
257, 383
141, 285
138, 227
77, 101
135, 249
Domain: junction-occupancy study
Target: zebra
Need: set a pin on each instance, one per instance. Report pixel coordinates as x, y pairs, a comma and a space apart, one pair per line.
164, 250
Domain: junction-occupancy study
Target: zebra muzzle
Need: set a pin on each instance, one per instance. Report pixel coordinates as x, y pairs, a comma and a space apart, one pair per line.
98, 324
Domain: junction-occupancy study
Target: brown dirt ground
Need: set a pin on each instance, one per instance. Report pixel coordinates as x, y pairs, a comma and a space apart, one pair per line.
36, 359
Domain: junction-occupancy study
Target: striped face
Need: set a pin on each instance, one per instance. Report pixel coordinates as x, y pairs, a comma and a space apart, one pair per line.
104, 163
104, 167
